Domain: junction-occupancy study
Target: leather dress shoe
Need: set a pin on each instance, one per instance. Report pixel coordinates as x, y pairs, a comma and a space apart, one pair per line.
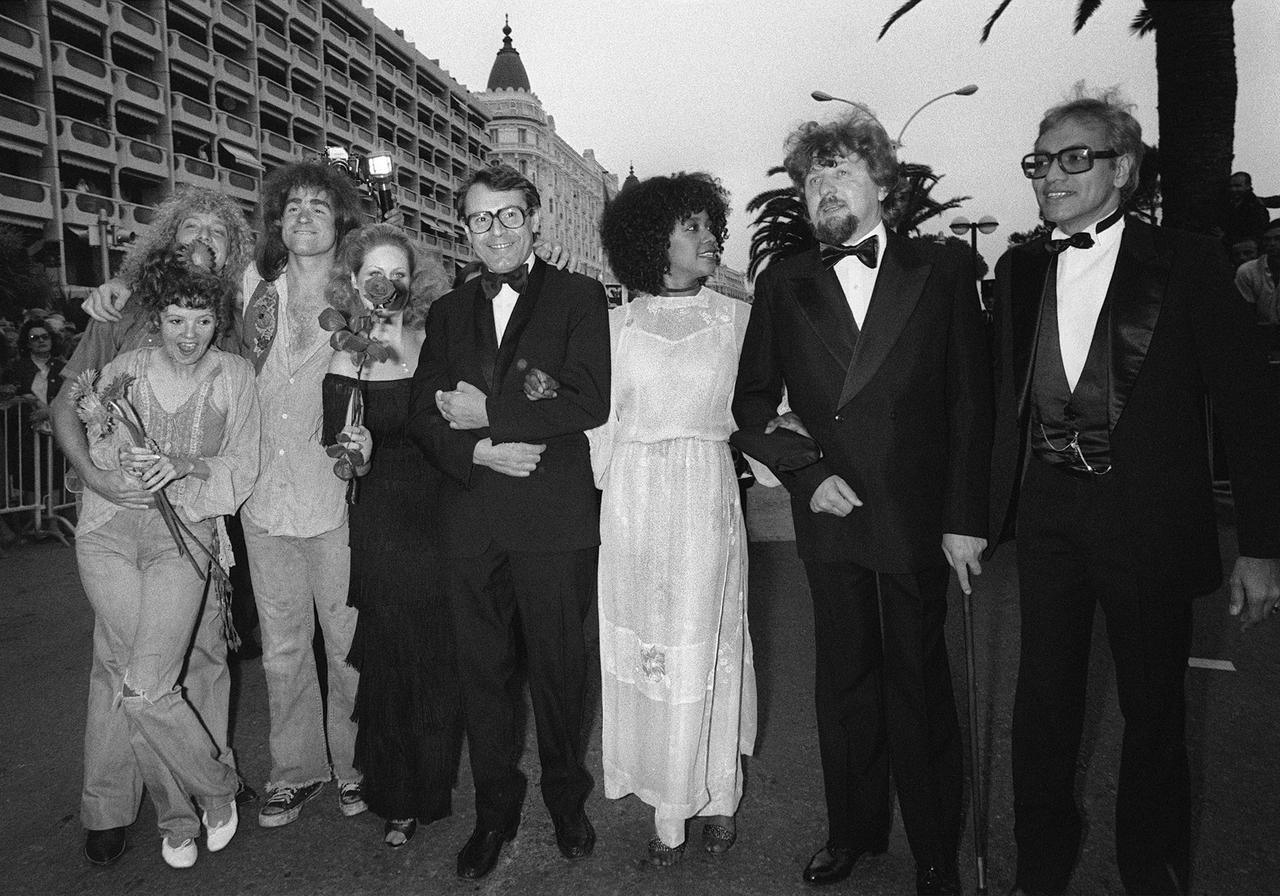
480, 853
574, 835
833, 864
105, 846
938, 880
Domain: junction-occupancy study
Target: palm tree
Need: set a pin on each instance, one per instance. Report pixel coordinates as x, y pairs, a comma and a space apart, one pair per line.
781, 229
1196, 95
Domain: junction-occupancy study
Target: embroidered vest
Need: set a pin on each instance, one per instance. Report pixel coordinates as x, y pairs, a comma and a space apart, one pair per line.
259, 324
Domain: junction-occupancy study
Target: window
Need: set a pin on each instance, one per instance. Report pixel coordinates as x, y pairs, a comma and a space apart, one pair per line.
522, 135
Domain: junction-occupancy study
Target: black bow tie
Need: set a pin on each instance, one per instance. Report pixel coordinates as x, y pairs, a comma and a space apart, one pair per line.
491, 283
1081, 240
866, 252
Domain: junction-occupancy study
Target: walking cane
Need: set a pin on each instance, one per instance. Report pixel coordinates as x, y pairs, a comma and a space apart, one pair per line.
979, 816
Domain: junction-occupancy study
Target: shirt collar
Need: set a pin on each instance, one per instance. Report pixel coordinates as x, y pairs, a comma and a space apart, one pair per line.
1108, 235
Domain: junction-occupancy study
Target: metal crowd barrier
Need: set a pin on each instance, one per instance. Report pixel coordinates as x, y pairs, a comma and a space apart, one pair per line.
30, 466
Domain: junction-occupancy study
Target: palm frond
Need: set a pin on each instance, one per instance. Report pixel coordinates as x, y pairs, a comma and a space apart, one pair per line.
986, 29
1143, 22
897, 14
1086, 9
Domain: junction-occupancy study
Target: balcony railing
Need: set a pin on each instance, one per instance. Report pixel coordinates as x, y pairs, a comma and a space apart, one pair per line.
270, 39
238, 184
184, 49
135, 23
308, 108
142, 156
19, 43
90, 9
135, 217
138, 91
202, 8
337, 124
275, 147
79, 68
306, 11
84, 140
233, 74
305, 58
234, 19
334, 34
238, 127
360, 50
194, 171
275, 94
192, 112
82, 208
25, 199
23, 121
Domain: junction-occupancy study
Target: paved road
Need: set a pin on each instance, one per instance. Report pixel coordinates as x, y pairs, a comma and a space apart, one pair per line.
44, 649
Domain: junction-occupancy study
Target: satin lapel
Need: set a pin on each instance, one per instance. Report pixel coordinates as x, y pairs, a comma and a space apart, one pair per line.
1029, 270
1135, 298
899, 286
520, 316
485, 335
822, 302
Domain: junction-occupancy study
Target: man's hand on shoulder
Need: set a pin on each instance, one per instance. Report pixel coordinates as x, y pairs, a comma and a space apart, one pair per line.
964, 553
120, 489
104, 303
834, 496
509, 458
553, 254
1255, 590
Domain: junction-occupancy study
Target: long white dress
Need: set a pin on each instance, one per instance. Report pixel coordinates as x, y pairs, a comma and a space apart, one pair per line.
679, 689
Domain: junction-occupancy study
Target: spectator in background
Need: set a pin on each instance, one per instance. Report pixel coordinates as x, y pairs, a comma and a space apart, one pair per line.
1246, 215
1257, 279
1243, 250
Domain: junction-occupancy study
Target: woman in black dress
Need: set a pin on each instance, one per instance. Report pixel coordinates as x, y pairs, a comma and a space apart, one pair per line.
408, 702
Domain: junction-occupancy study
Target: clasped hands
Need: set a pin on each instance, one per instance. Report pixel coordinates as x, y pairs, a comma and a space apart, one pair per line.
459, 407
152, 469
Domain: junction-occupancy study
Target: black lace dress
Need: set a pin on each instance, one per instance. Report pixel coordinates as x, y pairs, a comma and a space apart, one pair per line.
408, 701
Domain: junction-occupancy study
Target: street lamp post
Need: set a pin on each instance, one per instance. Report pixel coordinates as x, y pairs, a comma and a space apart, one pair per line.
986, 224
968, 90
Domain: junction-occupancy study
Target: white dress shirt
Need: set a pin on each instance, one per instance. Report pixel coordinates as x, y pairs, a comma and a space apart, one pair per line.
1084, 276
505, 302
859, 281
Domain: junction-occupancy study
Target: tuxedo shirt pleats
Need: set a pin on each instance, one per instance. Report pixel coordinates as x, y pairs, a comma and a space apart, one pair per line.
859, 281
1084, 276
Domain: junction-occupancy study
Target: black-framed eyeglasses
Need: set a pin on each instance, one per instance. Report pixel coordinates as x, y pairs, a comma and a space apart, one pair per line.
1073, 447
510, 217
1072, 160
37, 337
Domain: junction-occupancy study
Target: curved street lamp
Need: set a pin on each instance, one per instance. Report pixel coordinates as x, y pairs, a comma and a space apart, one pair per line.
968, 90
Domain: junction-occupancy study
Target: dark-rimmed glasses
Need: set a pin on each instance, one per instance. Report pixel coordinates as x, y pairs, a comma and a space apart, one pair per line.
37, 337
510, 217
1073, 447
1072, 160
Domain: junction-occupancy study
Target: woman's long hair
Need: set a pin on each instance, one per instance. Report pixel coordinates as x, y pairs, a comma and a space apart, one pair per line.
427, 277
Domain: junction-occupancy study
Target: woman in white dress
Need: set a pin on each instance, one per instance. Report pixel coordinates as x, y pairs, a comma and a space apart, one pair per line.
678, 687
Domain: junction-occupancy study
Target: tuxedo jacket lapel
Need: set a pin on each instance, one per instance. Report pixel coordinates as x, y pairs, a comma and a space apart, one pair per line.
486, 336
824, 306
1030, 270
520, 316
1135, 298
899, 286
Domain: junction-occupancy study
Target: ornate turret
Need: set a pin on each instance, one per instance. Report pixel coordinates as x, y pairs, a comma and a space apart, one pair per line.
508, 71
631, 180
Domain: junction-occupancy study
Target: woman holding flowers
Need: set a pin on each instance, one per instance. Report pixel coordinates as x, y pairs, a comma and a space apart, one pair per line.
678, 685
181, 418
408, 702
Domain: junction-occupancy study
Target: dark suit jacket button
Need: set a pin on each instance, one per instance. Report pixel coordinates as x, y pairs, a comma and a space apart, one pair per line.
837, 418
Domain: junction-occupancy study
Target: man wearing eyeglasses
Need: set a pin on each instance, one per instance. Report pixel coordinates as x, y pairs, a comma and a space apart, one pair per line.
1109, 332
519, 509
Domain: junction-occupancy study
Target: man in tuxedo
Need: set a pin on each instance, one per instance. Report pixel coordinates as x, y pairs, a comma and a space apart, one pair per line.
1108, 333
519, 507
880, 345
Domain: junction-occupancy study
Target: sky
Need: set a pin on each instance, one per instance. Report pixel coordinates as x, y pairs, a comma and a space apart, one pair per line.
716, 85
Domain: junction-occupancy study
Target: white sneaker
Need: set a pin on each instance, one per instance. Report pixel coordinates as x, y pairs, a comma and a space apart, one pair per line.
181, 856
217, 838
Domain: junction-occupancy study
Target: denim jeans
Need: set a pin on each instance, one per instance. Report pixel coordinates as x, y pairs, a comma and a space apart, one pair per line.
147, 600
296, 580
